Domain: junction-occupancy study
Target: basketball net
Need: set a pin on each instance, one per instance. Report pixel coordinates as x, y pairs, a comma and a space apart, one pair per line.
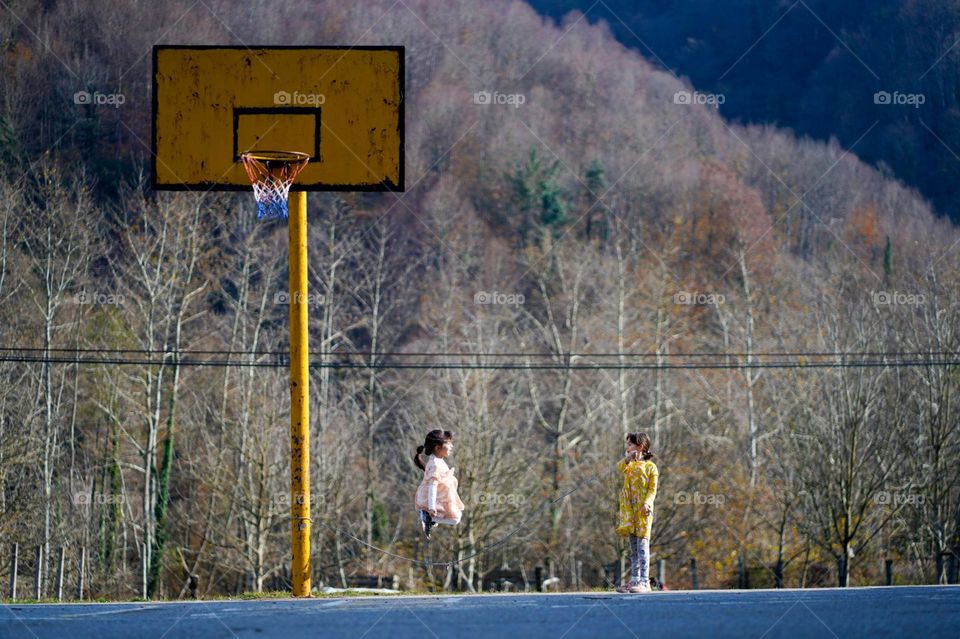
272, 173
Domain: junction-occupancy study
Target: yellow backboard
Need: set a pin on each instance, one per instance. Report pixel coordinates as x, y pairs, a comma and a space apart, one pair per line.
341, 105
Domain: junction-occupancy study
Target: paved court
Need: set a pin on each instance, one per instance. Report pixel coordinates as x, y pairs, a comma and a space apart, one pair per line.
921, 611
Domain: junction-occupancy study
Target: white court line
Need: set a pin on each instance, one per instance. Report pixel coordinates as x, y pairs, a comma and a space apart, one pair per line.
78, 615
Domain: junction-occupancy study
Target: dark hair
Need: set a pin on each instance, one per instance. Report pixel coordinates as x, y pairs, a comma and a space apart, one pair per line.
435, 439
641, 441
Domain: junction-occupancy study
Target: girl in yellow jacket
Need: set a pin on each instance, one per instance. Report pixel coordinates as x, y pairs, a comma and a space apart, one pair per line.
640, 477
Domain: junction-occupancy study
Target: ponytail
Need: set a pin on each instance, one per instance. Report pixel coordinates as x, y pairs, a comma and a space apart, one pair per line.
417, 460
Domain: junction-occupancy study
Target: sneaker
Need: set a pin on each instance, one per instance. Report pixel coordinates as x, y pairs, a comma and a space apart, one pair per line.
627, 587
425, 523
643, 586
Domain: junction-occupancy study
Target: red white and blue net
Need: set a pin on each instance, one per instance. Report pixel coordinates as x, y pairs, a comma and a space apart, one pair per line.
272, 173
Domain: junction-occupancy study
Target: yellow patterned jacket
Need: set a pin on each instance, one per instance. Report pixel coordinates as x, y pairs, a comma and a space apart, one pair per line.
639, 487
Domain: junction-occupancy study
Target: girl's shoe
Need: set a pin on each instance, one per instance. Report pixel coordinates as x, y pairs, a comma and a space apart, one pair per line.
628, 587
426, 523
642, 586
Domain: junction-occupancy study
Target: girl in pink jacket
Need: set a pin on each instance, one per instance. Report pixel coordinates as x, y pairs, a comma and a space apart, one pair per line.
437, 500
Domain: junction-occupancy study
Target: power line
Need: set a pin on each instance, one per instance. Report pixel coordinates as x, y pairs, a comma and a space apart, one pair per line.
281, 362
407, 354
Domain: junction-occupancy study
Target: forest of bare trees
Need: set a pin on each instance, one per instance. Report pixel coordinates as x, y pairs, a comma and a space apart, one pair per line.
779, 317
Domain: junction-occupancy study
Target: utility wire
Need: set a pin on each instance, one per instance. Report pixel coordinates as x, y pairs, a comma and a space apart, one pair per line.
281, 361
139, 351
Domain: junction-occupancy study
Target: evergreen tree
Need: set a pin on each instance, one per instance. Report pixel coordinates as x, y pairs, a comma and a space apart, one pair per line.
596, 182
888, 260
538, 197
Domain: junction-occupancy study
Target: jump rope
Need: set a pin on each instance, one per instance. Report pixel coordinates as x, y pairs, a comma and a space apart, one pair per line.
428, 563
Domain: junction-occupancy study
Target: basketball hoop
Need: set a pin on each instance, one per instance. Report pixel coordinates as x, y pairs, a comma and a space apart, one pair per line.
210, 115
272, 173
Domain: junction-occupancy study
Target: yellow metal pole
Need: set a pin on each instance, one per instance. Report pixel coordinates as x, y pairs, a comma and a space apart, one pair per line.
299, 397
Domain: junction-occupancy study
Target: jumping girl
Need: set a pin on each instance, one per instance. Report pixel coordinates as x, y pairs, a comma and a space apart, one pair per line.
437, 500
640, 477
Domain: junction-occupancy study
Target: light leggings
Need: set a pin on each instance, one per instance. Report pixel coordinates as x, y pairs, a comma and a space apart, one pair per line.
639, 559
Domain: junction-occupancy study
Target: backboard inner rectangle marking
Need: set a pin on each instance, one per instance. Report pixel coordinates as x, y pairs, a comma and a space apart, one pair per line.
276, 129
